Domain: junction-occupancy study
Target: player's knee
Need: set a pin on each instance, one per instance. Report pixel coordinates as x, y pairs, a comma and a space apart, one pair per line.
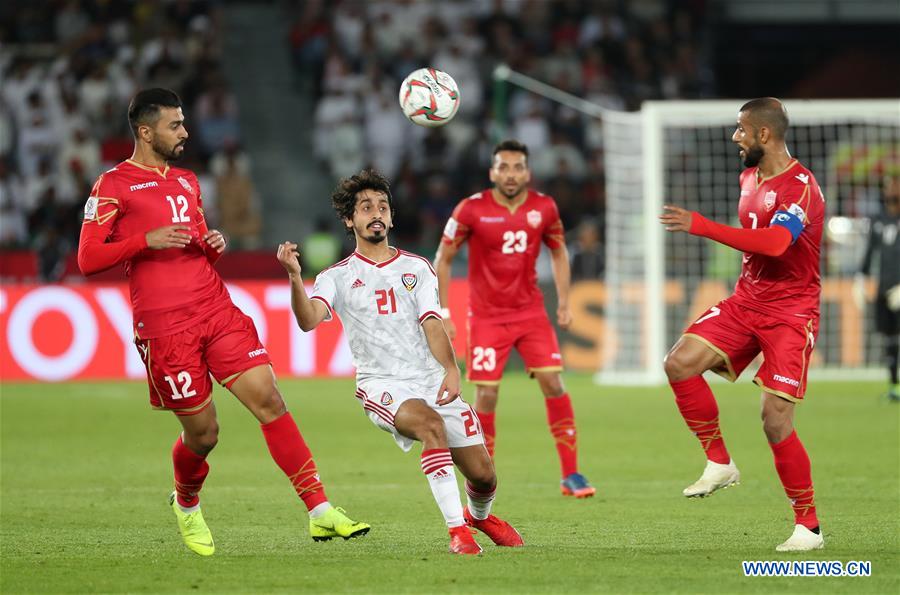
203, 441
269, 406
483, 478
432, 430
677, 366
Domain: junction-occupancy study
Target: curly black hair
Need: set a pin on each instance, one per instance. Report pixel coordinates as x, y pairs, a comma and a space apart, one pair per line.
343, 199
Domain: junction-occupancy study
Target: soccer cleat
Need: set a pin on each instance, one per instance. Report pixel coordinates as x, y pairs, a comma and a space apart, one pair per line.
716, 476
462, 542
193, 528
577, 485
802, 540
500, 532
335, 523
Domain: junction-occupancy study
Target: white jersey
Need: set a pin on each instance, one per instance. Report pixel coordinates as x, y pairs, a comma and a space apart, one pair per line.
382, 306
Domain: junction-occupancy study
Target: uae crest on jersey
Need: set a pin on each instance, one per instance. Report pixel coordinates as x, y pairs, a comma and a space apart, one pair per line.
184, 183
769, 200
533, 218
409, 281
386, 398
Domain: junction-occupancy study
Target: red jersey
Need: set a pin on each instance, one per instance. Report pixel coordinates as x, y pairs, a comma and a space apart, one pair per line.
171, 289
788, 284
504, 244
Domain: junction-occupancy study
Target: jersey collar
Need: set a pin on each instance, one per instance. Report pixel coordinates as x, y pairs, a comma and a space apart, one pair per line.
787, 168
378, 264
162, 172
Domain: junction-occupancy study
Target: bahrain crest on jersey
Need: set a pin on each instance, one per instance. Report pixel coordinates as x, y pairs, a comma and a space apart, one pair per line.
185, 184
769, 200
409, 281
533, 218
386, 398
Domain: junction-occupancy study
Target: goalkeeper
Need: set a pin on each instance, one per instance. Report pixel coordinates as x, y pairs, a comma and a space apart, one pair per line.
883, 240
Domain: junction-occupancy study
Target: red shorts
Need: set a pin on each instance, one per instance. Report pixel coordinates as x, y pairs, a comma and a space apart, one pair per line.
739, 334
489, 345
179, 365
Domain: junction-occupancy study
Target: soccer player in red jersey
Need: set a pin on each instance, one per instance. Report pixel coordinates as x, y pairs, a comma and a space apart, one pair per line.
505, 226
149, 216
774, 310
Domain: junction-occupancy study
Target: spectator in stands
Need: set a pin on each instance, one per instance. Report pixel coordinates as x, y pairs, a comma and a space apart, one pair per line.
239, 217
587, 258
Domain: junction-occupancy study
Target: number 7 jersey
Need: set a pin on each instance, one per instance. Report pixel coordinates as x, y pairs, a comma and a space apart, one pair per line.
382, 306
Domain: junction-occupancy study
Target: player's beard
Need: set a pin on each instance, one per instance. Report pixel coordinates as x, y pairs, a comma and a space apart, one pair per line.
510, 194
166, 153
374, 237
753, 155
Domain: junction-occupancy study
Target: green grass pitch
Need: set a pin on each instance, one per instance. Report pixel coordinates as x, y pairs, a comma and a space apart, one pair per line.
86, 472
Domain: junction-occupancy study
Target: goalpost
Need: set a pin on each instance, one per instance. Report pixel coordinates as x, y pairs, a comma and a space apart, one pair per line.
680, 152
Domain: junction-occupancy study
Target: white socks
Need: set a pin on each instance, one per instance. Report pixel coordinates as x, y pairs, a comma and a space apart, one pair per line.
437, 464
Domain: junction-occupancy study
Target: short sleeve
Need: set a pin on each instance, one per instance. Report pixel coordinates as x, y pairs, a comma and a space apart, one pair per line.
554, 235
325, 291
428, 302
459, 225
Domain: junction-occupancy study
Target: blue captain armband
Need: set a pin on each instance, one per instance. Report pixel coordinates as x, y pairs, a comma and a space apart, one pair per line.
790, 221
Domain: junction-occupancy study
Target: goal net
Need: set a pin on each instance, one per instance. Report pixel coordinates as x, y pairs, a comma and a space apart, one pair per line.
681, 153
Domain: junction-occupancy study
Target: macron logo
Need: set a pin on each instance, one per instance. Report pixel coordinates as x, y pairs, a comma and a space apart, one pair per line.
256, 353
803, 178
785, 380
144, 185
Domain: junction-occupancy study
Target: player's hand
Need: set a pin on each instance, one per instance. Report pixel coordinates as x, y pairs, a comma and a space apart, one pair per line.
563, 317
676, 219
215, 239
170, 236
289, 258
450, 389
450, 327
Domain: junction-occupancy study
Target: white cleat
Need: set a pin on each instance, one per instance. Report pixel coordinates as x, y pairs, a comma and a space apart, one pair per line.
802, 540
716, 476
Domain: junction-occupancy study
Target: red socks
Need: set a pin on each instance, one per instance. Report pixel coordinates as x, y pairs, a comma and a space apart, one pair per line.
190, 471
290, 452
792, 464
488, 428
698, 408
561, 419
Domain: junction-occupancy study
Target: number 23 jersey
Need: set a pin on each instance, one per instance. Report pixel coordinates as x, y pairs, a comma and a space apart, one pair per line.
382, 306
504, 244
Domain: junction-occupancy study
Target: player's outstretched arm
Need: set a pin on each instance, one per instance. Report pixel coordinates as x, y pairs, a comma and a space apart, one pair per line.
768, 241
442, 349
443, 262
309, 313
562, 277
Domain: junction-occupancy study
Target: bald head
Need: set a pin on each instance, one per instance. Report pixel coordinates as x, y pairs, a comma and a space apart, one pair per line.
767, 112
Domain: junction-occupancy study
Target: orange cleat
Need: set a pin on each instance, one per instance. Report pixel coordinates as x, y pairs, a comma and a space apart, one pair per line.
577, 485
500, 532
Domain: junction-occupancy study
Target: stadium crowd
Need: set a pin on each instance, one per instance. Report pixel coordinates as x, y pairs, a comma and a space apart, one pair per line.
616, 54
67, 68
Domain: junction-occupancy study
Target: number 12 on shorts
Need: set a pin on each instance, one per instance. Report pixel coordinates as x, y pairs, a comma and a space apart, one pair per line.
185, 391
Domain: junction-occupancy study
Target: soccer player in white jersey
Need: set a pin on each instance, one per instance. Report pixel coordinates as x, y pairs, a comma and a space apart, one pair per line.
407, 379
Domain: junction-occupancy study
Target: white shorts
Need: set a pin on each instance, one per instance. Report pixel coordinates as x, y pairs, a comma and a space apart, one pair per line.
381, 398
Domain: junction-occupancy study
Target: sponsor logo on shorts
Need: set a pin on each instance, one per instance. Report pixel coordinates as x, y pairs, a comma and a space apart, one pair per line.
533, 218
785, 380
257, 352
556, 356
409, 281
386, 398
144, 185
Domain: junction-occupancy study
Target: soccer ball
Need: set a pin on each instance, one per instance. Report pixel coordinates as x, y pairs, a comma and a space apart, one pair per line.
429, 97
